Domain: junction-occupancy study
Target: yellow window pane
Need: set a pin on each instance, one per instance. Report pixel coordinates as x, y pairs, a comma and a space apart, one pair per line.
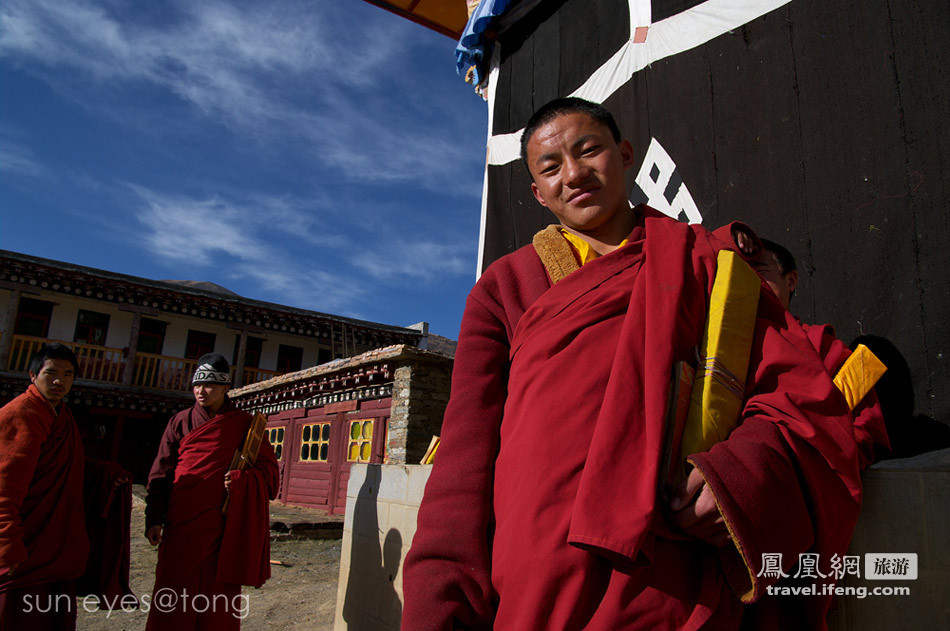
365, 452
368, 429
355, 430
354, 451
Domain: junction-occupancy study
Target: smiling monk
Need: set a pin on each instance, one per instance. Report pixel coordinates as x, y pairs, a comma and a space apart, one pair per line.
542, 511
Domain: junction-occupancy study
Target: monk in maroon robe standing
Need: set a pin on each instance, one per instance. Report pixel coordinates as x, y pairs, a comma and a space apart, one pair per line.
542, 511
204, 556
43, 540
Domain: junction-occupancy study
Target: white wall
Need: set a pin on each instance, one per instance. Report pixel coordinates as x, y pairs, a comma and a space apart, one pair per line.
66, 311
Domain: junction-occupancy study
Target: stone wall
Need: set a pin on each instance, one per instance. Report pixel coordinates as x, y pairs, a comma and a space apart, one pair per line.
381, 507
420, 394
906, 508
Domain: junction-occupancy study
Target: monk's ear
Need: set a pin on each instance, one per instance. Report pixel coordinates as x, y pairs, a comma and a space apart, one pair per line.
626, 154
537, 194
792, 281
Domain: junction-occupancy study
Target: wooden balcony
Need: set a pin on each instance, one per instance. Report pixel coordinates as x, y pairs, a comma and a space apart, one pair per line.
99, 363
254, 375
163, 372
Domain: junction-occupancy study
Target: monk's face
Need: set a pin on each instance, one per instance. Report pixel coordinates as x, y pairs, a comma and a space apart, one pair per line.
209, 395
54, 379
578, 171
782, 285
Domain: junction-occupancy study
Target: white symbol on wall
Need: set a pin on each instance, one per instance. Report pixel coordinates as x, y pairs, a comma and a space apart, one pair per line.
660, 185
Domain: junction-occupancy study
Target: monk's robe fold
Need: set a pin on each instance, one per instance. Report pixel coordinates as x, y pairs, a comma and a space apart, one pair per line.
542, 513
41, 494
194, 525
870, 432
245, 545
108, 518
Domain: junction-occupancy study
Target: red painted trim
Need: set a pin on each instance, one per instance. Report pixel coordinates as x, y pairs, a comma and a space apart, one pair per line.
438, 28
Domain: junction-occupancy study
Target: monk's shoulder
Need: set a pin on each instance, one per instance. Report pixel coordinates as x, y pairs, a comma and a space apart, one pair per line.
513, 282
23, 419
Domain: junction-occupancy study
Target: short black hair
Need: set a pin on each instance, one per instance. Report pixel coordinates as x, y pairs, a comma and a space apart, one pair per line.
786, 261
53, 350
569, 105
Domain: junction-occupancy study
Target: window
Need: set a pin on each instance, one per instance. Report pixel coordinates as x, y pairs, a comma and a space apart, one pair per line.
151, 336
323, 356
198, 343
361, 441
252, 351
275, 436
315, 443
91, 327
33, 317
289, 358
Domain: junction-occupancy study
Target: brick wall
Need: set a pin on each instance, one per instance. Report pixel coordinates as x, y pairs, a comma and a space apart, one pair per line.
420, 394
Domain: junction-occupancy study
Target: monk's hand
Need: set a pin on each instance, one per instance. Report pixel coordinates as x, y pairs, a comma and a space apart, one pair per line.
154, 535
743, 241
227, 481
694, 511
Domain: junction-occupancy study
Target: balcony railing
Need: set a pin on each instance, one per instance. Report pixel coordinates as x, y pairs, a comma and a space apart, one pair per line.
254, 375
163, 372
100, 363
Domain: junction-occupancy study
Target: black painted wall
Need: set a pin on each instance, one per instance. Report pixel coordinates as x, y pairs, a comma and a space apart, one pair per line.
826, 126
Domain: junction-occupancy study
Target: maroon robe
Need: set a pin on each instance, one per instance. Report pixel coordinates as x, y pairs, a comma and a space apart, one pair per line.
198, 554
542, 511
870, 432
41, 502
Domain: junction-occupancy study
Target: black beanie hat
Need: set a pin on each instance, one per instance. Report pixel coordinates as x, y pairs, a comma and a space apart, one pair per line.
212, 368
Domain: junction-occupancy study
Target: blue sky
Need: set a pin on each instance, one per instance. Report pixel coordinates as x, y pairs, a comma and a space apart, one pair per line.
318, 154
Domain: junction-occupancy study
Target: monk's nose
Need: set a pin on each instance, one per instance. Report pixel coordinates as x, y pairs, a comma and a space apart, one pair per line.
575, 171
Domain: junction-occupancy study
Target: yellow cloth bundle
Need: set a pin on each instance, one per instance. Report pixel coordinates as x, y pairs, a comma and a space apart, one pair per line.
858, 375
719, 387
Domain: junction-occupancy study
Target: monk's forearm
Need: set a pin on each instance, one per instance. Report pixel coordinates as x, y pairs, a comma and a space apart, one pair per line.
157, 494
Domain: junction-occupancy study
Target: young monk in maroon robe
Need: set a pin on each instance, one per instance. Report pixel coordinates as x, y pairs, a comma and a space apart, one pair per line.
776, 265
43, 545
542, 511
43, 538
204, 556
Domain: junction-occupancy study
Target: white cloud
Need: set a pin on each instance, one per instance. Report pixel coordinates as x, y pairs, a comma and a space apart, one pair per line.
410, 260
273, 72
16, 159
240, 239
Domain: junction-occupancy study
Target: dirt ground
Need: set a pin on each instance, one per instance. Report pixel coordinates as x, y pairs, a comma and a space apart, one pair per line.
299, 595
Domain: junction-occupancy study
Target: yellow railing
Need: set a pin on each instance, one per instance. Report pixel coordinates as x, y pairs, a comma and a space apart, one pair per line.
102, 363
95, 362
163, 372
254, 375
